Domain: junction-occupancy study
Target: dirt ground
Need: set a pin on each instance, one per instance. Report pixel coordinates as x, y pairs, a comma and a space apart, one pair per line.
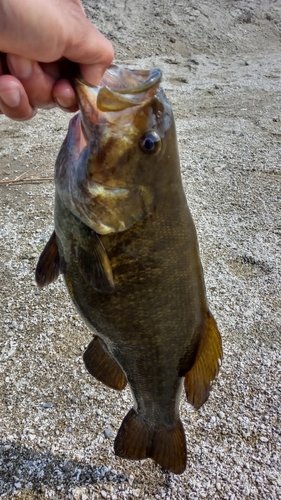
221, 65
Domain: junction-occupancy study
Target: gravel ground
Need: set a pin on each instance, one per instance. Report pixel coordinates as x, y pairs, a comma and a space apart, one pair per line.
221, 64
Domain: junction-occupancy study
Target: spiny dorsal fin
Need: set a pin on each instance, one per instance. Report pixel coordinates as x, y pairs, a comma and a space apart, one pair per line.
206, 366
102, 366
48, 267
94, 265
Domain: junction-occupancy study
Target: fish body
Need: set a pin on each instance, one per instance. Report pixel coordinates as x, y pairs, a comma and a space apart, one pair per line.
127, 246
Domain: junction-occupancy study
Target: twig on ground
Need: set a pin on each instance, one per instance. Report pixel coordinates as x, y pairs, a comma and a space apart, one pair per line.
28, 179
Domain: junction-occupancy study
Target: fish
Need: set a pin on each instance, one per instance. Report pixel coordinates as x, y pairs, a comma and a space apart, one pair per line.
126, 244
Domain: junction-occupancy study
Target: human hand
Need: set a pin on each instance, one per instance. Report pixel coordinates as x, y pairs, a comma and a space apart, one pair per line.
34, 37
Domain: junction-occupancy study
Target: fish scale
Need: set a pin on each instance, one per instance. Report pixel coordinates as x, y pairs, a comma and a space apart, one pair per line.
126, 243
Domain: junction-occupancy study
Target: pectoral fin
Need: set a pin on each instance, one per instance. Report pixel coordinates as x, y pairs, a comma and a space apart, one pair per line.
95, 266
206, 366
102, 366
48, 267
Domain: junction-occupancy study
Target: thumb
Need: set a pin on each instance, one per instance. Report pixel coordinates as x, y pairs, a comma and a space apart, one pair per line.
91, 50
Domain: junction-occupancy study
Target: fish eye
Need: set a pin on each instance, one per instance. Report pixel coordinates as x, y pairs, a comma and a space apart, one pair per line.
150, 143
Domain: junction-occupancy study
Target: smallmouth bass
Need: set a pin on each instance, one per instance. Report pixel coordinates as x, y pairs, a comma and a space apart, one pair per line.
126, 244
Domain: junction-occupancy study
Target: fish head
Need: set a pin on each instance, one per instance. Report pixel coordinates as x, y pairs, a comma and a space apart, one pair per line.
118, 149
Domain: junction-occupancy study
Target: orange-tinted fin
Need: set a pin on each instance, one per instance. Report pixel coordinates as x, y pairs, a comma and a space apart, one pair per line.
48, 266
206, 366
102, 366
95, 266
136, 441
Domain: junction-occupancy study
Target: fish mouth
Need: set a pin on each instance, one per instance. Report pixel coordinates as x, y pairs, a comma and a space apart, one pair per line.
120, 88
126, 81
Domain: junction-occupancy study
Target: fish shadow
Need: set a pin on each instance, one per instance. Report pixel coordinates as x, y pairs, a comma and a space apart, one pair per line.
24, 468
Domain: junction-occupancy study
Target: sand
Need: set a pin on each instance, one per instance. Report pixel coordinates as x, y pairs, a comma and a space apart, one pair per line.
221, 72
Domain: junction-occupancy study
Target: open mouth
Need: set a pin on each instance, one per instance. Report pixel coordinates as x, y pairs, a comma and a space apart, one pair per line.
120, 89
125, 81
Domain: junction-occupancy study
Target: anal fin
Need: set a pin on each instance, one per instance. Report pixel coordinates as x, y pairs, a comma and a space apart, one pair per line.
102, 366
206, 366
48, 266
136, 440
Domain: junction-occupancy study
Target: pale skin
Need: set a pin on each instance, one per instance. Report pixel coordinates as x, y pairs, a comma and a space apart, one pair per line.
34, 37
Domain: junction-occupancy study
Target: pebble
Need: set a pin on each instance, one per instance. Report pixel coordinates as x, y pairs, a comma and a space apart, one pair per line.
108, 433
47, 405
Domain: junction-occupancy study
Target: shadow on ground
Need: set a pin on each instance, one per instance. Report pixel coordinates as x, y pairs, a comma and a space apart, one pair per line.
24, 468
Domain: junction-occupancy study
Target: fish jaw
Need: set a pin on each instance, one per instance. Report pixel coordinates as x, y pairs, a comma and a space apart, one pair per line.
103, 176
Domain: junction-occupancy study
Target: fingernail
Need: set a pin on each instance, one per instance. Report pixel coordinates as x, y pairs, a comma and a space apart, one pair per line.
20, 66
11, 97
65, 102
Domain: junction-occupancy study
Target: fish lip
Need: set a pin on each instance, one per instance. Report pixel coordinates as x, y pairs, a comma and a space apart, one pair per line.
148, 79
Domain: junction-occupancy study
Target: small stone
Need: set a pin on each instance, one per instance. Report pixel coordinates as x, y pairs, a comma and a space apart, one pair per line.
103, 493
18, 485
263, 439
221, 414
218, 486
103, 470
131, 479
108, 433
47, 405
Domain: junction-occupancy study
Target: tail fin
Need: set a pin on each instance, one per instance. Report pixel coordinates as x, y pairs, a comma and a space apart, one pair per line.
166, 446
